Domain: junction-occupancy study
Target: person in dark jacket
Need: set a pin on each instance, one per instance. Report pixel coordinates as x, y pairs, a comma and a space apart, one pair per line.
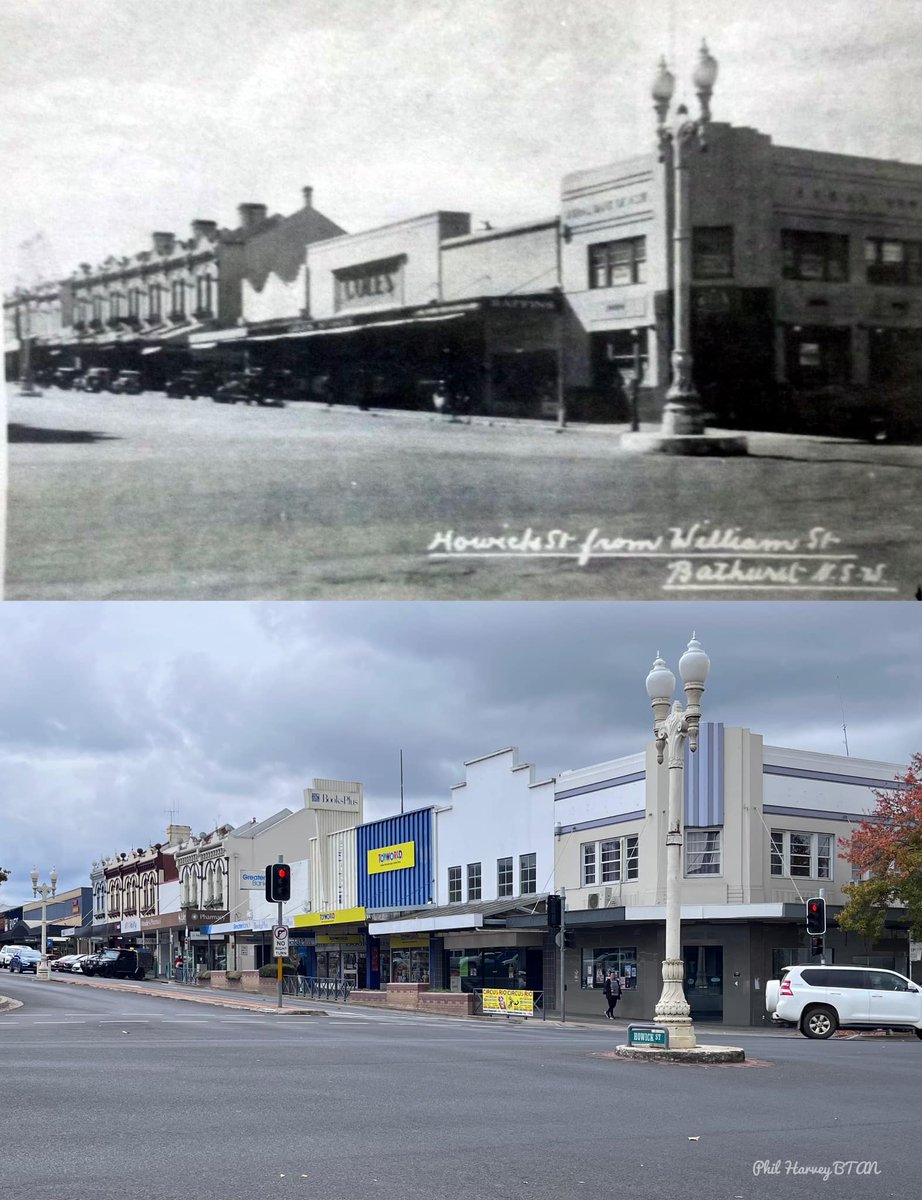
612, 993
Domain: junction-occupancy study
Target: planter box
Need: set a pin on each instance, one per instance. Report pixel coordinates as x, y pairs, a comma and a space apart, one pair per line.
405, 995
367, 997
218, 979
250, 981
452, 1004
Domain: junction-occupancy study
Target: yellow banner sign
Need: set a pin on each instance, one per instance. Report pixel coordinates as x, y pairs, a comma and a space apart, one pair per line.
409, 941
497, 1001
339, 916
391, 858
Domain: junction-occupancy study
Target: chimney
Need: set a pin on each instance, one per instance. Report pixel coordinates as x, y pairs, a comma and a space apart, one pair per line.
164, 243
308, 194
205, 229
177, 833
252, 215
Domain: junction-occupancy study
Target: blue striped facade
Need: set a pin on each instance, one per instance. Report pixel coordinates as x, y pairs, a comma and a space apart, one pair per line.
704, 777
407, 887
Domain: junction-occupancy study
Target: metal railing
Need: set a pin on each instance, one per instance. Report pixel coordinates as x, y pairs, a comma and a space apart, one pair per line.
316, 988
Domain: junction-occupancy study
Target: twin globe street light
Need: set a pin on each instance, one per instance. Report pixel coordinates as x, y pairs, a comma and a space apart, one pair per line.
672, 726
682, 413
46, 891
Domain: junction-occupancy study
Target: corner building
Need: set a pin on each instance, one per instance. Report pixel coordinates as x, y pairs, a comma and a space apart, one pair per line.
806, 281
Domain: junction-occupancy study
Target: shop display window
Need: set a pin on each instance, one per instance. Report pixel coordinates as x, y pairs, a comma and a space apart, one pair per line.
597, 963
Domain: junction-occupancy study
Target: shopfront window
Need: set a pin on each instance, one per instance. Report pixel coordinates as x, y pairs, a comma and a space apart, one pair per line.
409, 964
472, 970
597, 963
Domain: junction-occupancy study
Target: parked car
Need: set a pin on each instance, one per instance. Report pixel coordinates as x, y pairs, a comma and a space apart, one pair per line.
88, 963
64, 963
191, 384
7, 952
248, 386
25, 960
127, 383
819, 1000
78, 964
123, 964
65, 377
96, 379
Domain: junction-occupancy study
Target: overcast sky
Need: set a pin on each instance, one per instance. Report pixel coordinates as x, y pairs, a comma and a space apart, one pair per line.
114, 714
118, 117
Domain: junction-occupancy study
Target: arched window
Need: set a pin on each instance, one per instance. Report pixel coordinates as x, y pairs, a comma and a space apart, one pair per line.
131, 894
189, 886
220, 874
99, 907
149, 894
115, 897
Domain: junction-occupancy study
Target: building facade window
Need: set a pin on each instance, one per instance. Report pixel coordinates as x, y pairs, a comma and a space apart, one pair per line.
528, 875
702, 852
504, 879
149, 894
801, 855
615, 264
454, 885
610, 861
889, 260
712, 252
203, 294
115, 897
131, 896
99, 900
155, 308
808, 255
178, 299
474, 881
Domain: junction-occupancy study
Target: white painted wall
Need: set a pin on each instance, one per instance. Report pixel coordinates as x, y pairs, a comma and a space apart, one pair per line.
499, 811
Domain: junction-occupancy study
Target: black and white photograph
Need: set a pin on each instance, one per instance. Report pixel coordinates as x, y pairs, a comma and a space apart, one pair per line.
462, 299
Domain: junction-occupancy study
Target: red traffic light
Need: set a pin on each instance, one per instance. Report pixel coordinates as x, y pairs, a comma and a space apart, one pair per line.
278, 883
816, 916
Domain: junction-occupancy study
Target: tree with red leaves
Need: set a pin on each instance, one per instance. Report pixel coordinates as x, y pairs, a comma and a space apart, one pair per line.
887, 847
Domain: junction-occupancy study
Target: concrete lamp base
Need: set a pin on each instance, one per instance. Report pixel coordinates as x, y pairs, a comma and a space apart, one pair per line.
722, 445
674, 1054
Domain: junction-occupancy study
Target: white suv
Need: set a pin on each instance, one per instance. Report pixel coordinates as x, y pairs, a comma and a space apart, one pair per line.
7, 952
821, 1000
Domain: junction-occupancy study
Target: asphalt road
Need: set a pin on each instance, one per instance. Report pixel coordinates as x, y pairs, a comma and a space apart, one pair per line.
110, 1095
145, 497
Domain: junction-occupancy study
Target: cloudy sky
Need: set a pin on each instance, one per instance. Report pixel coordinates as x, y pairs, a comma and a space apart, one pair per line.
115, 715
118, 117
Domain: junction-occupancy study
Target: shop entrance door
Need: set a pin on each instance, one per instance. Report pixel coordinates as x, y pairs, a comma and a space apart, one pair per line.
704, 982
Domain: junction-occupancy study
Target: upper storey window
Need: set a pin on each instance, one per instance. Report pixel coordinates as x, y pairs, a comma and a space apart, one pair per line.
808, 255
614, 264
891, 261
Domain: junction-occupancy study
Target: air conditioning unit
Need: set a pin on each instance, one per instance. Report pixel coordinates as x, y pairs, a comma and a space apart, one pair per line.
606, 898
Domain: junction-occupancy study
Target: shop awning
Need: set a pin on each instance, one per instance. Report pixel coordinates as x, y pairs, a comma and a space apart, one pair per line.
338, 329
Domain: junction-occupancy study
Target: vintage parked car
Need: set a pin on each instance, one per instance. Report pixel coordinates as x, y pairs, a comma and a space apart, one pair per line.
96, 379
250, 387
191, 384
127, 383
65, 377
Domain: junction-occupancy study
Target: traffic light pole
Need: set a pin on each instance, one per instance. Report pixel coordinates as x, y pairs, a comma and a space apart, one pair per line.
563, 953
281, 859
821, 892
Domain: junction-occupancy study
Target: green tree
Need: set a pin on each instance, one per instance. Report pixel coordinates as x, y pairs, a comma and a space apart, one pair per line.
887, 848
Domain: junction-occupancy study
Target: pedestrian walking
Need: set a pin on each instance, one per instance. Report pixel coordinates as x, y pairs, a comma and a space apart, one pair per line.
612, 992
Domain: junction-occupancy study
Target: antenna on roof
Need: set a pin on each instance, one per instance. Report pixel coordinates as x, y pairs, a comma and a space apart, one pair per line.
401, 783
844, 727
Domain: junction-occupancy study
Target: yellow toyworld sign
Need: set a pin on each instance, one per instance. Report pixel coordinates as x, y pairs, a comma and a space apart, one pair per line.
391, 858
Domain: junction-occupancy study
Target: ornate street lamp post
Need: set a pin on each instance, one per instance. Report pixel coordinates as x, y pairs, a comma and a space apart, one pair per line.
46, 891
671, 726
682, 413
